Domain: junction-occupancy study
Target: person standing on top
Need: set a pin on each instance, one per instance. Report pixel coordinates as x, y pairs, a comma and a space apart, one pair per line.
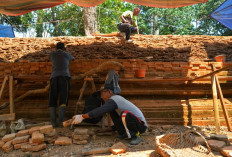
59, 82
129, 23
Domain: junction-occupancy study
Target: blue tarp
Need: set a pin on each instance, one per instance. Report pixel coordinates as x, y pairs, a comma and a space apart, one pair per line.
223, 14
6, 31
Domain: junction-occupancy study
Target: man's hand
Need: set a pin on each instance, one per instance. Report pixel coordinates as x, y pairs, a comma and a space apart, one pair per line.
77, 119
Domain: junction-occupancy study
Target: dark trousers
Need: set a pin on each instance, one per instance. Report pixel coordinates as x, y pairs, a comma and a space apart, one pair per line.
127, 29
59, 89
134, 125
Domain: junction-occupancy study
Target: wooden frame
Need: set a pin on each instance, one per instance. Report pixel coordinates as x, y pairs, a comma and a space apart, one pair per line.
10, 116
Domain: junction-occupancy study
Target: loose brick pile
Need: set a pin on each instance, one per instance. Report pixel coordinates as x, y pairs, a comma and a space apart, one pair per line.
219, 143
32, 140
80, 136
149, 48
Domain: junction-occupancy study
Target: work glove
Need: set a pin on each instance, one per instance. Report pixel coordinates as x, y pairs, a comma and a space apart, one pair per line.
77, 119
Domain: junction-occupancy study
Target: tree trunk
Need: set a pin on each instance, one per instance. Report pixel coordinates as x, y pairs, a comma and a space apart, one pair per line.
90, 17
154, 25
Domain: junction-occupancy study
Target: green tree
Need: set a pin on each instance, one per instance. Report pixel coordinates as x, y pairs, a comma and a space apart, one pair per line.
68, 20
208, 25
20, 23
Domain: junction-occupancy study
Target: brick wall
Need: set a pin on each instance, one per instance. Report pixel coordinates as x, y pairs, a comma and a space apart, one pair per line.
153, 69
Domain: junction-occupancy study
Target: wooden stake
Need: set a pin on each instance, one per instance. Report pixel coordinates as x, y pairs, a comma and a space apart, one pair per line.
80, 96
96, 151
3, 86
226, 115
216, 112
11, 95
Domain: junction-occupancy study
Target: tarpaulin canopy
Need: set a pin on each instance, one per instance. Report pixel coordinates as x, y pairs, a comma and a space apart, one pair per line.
6, 31
19, 7
223, 14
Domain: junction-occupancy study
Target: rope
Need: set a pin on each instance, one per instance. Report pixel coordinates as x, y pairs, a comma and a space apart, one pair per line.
11, 22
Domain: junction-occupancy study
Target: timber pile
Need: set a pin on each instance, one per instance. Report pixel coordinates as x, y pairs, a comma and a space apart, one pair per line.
150, 48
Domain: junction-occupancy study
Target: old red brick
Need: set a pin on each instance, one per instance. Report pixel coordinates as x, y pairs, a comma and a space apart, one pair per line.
26, 147
31, 143
1, 143
80, 142
216, 145
200, 140
80, 137
51, 134
63, 141
46, 129
18, 146
8, 137
37, 137
9, 149
39, 147
50, 139
33, 129
21, 139
227, 151
118, 148
22, 133
80, 131
7, 145
220, 138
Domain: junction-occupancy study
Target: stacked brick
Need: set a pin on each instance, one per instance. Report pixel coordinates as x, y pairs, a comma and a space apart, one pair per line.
80, 136
31, 140
149, 48
153, 69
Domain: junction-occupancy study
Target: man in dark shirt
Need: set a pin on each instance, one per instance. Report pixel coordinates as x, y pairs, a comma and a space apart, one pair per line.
130, 123
59, 82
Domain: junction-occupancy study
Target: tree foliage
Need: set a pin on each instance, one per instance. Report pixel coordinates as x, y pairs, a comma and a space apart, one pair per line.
67, 19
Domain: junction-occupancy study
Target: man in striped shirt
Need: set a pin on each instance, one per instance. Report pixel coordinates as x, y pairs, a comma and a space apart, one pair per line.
129, 124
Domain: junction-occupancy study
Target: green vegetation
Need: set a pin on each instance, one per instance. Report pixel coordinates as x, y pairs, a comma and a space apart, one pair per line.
67, 19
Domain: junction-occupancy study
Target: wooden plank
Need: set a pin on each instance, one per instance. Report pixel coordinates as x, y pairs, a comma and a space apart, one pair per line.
222, 101
96, 151
11, 94
215, 104
3, 86
7, 116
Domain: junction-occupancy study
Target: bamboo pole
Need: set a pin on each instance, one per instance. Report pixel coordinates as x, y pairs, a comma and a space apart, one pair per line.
80, 96
11, 94
226, 115
216, 112
3, 86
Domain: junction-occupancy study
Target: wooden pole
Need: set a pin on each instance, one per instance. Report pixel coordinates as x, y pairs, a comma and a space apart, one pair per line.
3, 86
216, 112
11, 94
226, 115
80, 97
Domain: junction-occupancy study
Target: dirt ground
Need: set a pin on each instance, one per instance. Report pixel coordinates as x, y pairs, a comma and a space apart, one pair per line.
146, 148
